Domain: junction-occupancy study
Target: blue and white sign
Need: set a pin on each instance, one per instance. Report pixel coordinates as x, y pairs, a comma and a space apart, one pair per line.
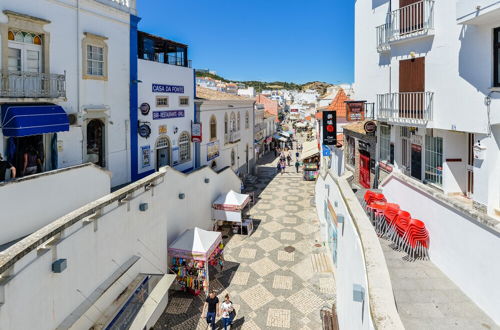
168, 114
326, 151
159, 88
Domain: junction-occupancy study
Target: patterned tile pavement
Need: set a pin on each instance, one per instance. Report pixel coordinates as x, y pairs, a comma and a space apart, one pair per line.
270, 287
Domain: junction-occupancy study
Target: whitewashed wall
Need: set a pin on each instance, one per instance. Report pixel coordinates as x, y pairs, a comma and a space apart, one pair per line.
95, 251
150, 73
463, 249
113, 94
30, 203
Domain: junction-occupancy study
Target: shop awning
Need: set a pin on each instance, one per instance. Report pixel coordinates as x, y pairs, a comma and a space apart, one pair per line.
310, 149
285, 134
280, 138
195, 244
24, 120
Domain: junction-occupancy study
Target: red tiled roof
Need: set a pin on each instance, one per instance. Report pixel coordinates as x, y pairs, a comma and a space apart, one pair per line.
338, 103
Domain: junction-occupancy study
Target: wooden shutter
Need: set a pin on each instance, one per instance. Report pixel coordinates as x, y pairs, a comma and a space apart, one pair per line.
411, 87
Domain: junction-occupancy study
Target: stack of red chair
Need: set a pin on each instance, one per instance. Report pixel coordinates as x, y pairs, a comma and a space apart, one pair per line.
416, 239
398, 227
385, 223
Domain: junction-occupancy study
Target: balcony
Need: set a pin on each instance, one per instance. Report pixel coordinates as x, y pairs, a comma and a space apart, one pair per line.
407, 22
15, 84
478, 12
234, 136
413, 108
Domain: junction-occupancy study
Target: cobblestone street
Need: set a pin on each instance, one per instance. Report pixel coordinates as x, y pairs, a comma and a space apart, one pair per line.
279, 277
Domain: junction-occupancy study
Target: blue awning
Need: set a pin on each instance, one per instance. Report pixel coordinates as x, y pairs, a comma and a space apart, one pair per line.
24, 120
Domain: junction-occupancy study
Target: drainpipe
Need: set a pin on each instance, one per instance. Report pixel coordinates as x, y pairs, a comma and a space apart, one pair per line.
79, 74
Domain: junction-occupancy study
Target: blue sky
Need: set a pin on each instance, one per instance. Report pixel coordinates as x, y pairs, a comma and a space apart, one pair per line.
268, 40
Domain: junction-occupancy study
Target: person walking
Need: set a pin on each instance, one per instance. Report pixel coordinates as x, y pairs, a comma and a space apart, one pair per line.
227, 311
211, 308
283, 167
288, 159
278, 167
297, 165
4, 166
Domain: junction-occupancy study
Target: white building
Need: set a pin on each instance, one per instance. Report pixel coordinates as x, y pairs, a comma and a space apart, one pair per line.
228, 134
206, 83
66, 58
248, 92
165, 108
435, 80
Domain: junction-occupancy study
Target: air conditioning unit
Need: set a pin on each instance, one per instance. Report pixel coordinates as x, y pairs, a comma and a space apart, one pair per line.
73, 119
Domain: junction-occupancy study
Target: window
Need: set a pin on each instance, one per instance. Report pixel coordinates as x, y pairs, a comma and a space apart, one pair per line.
95, 60
385, 143
226, 127
233, 157
24, 51
162, 101
238, 121
184, 100
213, 128
351, 151
247, 120
233, 122
405, 146
434, 159
496, 57
184, 147
95, 53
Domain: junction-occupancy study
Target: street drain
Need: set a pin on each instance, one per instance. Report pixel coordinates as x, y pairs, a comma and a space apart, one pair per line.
289, 249
225, 237
317, 245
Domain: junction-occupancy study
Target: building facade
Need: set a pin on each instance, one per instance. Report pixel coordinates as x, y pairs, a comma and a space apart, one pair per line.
64, 85
228, 134
165, 107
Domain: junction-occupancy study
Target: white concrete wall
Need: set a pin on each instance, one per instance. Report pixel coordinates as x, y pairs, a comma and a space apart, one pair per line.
95, 251
350, 268
219, 109
112, 94
150, 73
462, 249
30, 203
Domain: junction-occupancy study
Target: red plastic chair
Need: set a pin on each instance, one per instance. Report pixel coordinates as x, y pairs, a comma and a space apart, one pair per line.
416, 239
398, 227
367, 197
390, 214
376, 210
374, 197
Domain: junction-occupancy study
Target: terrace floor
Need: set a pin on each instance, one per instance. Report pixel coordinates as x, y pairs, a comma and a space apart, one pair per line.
426, 298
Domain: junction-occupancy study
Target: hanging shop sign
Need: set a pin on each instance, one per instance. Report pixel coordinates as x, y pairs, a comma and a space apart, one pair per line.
417, 139
196, 132
162, 129
159, 88
386, 167
168, 114
330, 127
355, 110
212, 150
144, 130
146, 156
145, 108
370, 127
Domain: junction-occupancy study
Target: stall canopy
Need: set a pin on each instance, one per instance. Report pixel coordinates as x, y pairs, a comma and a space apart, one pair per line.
279, 138
285, 134
195, 243
24, 120
301, 125
310, 149
228, 207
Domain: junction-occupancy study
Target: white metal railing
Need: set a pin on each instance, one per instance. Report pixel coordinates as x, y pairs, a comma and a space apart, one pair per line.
234, 136
32, 84
410, 107
405, 22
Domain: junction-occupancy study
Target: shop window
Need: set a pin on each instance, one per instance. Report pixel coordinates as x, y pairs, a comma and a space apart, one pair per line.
162, 101
184, 147
184, 101
95, 57
247, 120
213, 128
434, 160
385, 143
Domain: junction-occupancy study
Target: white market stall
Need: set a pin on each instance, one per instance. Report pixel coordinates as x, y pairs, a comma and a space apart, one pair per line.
229, 207
190, 255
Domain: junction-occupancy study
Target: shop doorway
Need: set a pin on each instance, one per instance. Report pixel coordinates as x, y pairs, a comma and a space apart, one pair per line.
416, 161
162, 152
30, 154
364, 169
95, 142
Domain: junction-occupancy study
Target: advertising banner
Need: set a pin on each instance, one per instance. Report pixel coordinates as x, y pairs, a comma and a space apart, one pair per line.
196, 132
212, 150
329, 128
146, 156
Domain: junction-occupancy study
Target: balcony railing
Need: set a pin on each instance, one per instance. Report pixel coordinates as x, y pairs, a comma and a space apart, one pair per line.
406, 22
234, 136
409, 108
32, 84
